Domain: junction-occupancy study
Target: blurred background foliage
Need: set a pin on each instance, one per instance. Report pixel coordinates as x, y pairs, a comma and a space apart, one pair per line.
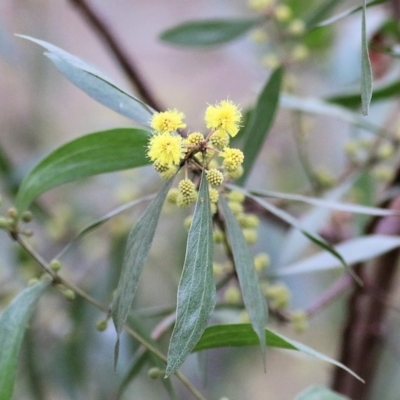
64, 356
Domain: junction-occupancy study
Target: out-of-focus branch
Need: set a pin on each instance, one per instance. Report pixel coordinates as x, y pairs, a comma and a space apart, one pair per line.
108, 37
363, 331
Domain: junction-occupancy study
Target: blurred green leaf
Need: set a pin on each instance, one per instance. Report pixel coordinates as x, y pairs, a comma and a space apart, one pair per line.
351, 208
321, 12
312, 236
102, 220
260, 121
252, 296
366, 70
96, 85
196, 291
353, 100
208, 32
13, 323
353, 251
243, 335
137, 250
346, 13
319, 393
92, 154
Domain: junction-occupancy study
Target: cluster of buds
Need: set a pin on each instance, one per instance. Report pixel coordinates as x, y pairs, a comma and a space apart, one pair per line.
288, 25
168, 151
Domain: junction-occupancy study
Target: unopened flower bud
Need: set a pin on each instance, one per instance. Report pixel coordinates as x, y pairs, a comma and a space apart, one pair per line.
101, 325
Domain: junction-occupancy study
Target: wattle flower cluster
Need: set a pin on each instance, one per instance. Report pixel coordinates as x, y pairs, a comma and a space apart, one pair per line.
168, 150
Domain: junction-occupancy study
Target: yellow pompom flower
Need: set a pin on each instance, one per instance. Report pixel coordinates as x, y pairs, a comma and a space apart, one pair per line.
167, 121
233, 158
224, 115
165, 150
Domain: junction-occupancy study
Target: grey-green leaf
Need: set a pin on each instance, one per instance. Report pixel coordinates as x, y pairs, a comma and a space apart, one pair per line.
92, 154
366, 70
13, 322
252, 296
95, 84
137, 250
321, 12
243, 335
208, 32
319, 393
353, 251
260, 121
196, 291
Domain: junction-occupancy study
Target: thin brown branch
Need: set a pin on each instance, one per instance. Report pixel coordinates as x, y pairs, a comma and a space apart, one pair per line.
108, 37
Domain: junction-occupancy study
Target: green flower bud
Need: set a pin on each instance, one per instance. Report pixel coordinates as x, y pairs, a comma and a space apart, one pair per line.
232, 295
69, 294
55, 265
261, 261
214, 177
155, 373
101, 325
250, 236
172, 195
26, 216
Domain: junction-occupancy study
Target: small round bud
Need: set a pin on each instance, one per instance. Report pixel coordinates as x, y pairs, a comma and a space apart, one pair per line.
249, 221
214, 195
154, 373
250, 235
279, 295
236, 208
236, 174
282, 12
186, 187
220, 139
172, 195
271, 61
101, 325
218, 236
324, 178
160, 168
214, 208
214, 177
195, 138
383, 173
297, 27
218, 270
12, 212
186, 201
26, 216
385, 151
235, 196
300, 52
55, 265
299, 320
6, 223
33, 281
232, 295
261, 261
188, 222
69, 294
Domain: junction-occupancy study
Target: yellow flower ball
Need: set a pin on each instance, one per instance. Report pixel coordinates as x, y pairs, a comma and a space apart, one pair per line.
165, 150
233, 158
167, 121
214, 177
224, 115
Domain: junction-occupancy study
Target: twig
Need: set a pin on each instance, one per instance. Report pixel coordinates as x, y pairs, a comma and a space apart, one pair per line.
109, 38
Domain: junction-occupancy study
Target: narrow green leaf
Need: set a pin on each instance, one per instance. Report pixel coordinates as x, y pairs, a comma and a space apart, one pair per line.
366, 70
208, 32
319, 393
102, 220
252, 296
346, 13
353, 251
13, 322
196, 291
137, 250
313, 237
351, 208
321, 12
95, 84
92, 154
353, 100
260, 121
243, 335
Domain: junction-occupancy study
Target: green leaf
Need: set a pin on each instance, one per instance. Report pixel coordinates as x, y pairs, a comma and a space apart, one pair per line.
353, 251
351, 208
243, 335
321, 12
13, 322
137, 250
346, 13
92, 154
208, 32
95, 84
102, 220
260, 121
252, 296
353, 100
319, 393
196, 291
366, 70
312, 236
